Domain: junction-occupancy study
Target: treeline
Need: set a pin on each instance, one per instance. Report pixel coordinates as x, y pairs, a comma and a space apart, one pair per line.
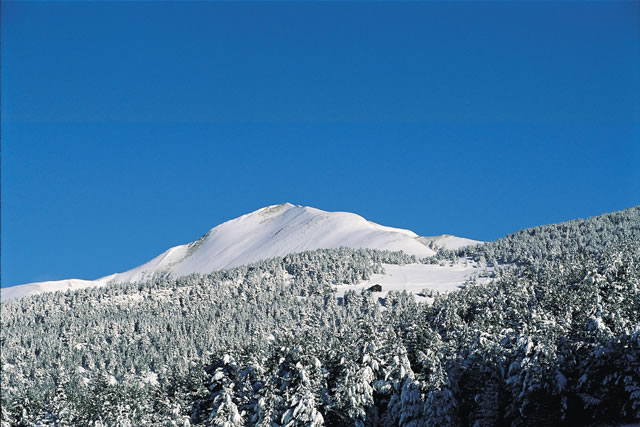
569, 240
554, 340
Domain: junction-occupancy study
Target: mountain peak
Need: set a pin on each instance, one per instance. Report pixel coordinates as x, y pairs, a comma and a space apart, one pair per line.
271, 231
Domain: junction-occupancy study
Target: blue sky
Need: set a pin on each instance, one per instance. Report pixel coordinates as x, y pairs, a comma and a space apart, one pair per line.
130, 127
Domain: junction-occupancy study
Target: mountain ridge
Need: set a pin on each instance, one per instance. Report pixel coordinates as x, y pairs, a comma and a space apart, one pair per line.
275, 230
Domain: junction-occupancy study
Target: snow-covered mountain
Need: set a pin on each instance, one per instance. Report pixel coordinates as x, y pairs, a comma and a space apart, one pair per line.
447, 241
268, 232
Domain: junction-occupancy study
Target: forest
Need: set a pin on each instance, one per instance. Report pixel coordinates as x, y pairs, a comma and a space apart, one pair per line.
552, 339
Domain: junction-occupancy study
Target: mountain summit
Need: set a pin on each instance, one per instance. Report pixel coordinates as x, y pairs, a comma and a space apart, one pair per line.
272, 231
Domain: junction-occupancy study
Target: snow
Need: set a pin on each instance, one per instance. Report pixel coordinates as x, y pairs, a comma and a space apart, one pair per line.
278, 231
272, 231
112, 380
56, 285
447, 241
414, 278
150, 378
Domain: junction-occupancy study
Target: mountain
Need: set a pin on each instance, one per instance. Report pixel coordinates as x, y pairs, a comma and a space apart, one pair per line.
346, 337
272, 231
447, 241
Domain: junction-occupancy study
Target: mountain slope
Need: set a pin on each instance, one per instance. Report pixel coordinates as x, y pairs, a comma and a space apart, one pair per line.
230, 344
277, 231
268, 232
447, 241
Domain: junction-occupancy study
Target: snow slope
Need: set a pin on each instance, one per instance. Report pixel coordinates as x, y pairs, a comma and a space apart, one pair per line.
447, 241
39, 287
414, 278
268, 232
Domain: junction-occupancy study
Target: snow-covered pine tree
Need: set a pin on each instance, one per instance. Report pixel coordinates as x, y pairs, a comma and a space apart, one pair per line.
223, 412
304, 383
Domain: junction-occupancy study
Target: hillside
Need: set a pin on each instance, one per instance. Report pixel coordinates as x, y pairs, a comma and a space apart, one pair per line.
552, 339
268, 232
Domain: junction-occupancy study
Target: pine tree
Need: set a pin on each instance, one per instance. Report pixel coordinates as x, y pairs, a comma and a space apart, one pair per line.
223, 411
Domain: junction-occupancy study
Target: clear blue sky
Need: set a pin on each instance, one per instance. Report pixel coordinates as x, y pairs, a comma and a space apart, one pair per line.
130, 127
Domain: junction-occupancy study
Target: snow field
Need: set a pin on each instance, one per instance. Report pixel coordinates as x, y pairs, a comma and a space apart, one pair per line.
414, 278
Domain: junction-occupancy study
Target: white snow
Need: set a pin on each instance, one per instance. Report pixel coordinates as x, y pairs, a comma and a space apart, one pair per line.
150, 378
271, 231
447, 241
55, 285
414, 278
